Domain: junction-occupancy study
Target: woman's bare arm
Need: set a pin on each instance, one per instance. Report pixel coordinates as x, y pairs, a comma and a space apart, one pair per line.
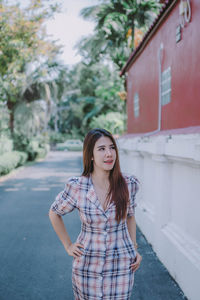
59, 227
132, 231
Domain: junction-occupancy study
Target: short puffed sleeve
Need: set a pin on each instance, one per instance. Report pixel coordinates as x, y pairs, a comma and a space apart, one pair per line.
66, 200
133, 186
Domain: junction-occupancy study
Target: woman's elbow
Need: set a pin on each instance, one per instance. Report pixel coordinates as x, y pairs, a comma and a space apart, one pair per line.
52, 214
131, 220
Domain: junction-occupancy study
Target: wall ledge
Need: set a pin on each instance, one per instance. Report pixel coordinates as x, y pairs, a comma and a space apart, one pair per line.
183, 148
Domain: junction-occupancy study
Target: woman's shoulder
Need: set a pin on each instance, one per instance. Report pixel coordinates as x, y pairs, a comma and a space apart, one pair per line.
130, 178
77, 181
132, 183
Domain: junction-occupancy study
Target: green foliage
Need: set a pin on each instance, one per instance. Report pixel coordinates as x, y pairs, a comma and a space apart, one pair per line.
56, 137
36, 150
6, 144
11, 160
113, 122
94, 83
23, 157
97, 103
29, 118
84, 102
114, 19
23, 42
32, 149
29, 122
40, 92
35, 147
70, 145
4, 119
76, 134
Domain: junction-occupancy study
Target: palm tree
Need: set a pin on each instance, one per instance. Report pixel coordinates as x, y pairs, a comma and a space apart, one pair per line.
115, 21
46, 81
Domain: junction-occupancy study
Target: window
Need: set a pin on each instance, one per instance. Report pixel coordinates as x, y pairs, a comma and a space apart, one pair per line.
166, 86
136, 105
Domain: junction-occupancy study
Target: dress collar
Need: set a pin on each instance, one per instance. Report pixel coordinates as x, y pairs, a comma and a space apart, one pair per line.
92, 196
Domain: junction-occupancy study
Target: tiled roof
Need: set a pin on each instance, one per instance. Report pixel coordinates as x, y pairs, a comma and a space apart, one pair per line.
159, 17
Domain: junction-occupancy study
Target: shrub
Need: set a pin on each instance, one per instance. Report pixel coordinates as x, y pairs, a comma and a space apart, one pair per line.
41, 152
36, 147
112, 121
4, 119
6, 144
23, 157
32, 149
56, 137
11, 160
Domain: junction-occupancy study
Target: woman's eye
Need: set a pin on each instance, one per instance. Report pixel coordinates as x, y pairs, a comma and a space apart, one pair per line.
101, 149
113, 147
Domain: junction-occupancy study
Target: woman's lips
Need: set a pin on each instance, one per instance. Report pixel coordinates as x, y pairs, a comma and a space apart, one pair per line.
108, 161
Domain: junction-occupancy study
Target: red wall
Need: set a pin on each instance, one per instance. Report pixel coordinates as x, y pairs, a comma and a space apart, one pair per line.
184, 59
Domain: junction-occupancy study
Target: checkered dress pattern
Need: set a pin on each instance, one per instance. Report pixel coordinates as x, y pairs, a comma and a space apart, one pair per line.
103, 271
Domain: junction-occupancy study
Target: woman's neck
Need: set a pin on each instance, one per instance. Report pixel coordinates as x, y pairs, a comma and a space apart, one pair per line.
100, 177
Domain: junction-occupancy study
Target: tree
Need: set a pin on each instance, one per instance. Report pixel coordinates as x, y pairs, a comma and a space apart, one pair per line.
22, 41
112, 121
46, 81
116, 21
91, 90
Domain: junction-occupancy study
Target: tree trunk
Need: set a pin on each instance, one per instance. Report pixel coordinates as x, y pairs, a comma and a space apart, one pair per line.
133, 32
10, 106
56, 121
48, 106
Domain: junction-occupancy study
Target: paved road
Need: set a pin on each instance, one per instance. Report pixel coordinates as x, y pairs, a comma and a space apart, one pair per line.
33, 263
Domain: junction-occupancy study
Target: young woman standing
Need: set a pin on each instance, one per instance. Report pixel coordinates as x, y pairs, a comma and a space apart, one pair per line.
105, 252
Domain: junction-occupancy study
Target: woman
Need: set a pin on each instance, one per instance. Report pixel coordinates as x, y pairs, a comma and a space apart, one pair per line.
105, 252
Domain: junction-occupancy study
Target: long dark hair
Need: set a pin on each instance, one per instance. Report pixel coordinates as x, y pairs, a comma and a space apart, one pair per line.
118, 191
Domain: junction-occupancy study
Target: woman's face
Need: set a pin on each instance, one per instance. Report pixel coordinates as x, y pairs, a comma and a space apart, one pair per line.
104, 154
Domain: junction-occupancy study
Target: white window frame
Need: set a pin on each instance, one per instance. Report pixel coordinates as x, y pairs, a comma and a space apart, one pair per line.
166, 86
136, 105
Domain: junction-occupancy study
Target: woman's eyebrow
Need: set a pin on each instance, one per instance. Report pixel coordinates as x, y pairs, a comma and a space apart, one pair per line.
105, 145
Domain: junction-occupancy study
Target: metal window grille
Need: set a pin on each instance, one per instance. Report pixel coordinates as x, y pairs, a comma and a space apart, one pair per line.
166, 86
136, 105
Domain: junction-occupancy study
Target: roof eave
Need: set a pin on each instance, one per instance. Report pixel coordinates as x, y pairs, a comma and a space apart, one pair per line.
152, 29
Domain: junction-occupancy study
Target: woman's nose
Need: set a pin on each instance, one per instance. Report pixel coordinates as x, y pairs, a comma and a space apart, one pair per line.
108, 152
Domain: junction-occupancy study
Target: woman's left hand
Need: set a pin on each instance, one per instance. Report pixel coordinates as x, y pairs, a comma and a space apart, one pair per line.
137, 262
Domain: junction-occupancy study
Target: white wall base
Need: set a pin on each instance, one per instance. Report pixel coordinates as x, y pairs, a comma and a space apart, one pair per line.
168, 203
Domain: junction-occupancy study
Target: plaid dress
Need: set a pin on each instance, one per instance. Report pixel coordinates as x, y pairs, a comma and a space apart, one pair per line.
103, 271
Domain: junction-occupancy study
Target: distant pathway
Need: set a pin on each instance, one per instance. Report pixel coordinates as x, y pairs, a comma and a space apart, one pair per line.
33, 263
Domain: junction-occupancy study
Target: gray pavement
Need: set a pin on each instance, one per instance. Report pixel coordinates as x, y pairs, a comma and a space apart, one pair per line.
33, 263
